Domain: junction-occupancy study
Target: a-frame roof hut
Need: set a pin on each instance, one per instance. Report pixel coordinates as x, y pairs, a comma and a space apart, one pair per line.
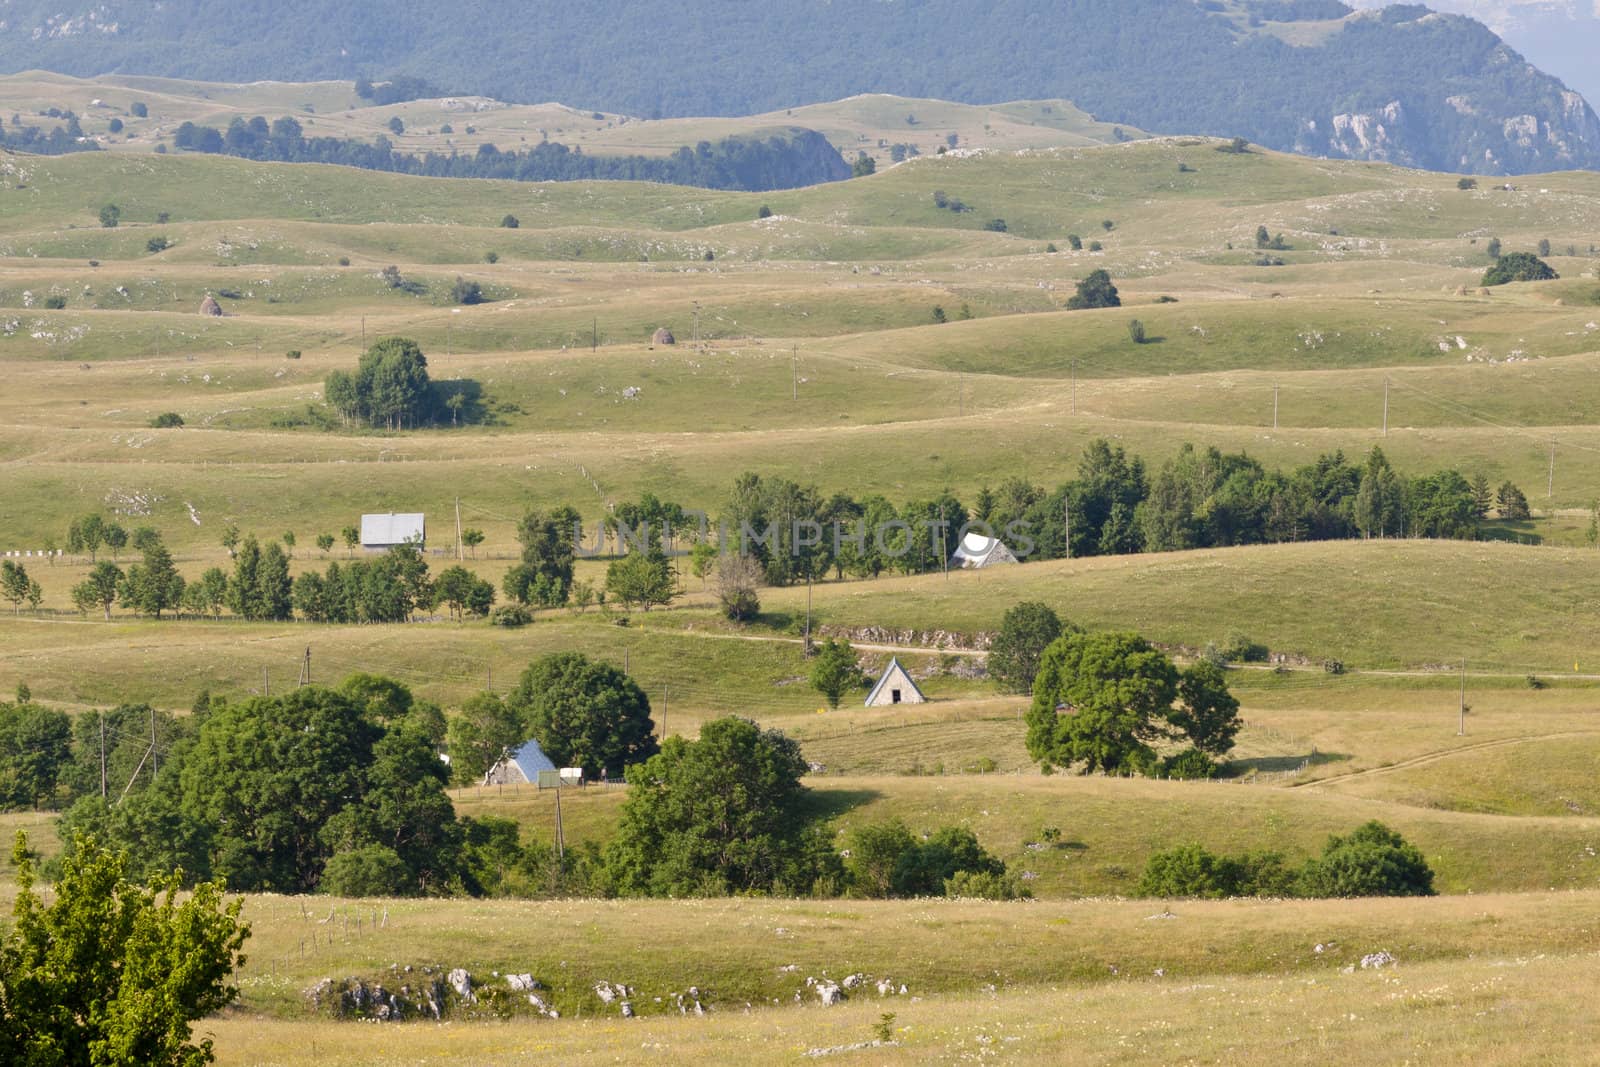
895, 687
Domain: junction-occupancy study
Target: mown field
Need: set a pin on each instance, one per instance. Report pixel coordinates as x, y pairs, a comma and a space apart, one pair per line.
821, 359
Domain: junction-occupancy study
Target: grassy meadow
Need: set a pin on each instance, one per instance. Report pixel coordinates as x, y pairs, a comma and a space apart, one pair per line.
821, 358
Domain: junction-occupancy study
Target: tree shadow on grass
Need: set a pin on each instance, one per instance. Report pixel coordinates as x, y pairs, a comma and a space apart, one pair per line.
1282, 764
826, 802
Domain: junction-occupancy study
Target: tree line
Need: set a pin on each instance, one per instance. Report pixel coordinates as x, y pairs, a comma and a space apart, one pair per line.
795, 158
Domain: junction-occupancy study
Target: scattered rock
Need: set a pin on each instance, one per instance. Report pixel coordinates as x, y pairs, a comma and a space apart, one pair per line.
830, 993
1377, 960
461, 982
521, 983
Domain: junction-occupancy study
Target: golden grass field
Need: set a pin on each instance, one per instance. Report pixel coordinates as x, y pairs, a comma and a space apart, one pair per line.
820, 360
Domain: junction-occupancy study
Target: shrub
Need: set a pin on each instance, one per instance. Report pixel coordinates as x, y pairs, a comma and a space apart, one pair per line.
1095, 291
995, 225
293, 353
511, 616
167, 420
938, 314
1544, 246
139, 109
1051, 248
344, 261
1166, 299
1371, 861
1333, 666
369, 871
1192, 871
110, 216
491, 257
1465, 184
1075, 242
159, 243
1536, 682
985, 885
1136, 331
1236, 147
1519, 267
1095, 246
115, 125
764, 212
466, 292
55, 302
510, 222
1493, 248
1190, 765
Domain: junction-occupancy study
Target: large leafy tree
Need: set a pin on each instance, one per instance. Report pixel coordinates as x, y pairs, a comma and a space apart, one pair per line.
549, 541
486, 727
1519, 267
640, 578
1100, 702
99, 589
584, 713
1370, 861
1026, 631
35, 753
724, 814
110, 972
153, 585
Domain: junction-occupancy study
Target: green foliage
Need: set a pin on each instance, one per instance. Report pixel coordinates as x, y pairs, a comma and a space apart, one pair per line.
886, 860
109, 972
1075, 242
995, 225
1206, 714
35, 754
1136, 331
1095, 291
549, 542
863, 166
465, 291
723, 814
585, 714
110, 217
1189, 871
510, 222
367, 871
1026, 631
55, 302
390, 386
835, 671
1466, 184
510, 616
158, 243
1493, 248
463, 592
483, 731
153, 585
1519, 267
1113, 691
738, 578
1371, 861
1238, 146
99, 589
642, 579
166, 420
17, 586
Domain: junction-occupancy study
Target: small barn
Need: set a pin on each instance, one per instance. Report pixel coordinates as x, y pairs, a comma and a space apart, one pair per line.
522, 765
209, 306
979, 550
663, 336
895, 687
379, 533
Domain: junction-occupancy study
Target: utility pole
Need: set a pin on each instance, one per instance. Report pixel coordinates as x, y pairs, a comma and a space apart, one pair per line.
305, 668
1066, 519
1386, 407
561, 838
808, 611
1274, 407
266, 682
1550, 486
102, 755
363, 333
794, 373
1074, 387
1461, 731
625, 669
458, 529
488, 682
155, 760
663, 711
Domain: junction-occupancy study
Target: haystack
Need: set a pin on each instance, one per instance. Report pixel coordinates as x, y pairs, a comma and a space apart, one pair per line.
663, 336
209, 306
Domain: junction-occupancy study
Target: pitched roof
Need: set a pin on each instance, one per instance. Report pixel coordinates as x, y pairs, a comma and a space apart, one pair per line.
979, 549
530, 760
392, 528
894, 670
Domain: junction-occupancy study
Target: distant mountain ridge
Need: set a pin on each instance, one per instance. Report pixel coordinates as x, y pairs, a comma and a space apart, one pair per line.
1401, 84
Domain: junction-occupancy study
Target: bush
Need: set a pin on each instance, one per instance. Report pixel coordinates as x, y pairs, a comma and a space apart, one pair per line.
110, 216
1465, 184
985, 885
1191, 871
1075, 242
1136, 331
344, 261
1190, 765
1095, 246
466, 292
139, 109
167, 420
1333, 666
511, 616
1095, 291
995, 225
510, 222
1372, 861
1236, 147
55, 302
293, 353
159, 243
1519, 267
369, 871
1493, 248
1239, 648
491, 257
764, 212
